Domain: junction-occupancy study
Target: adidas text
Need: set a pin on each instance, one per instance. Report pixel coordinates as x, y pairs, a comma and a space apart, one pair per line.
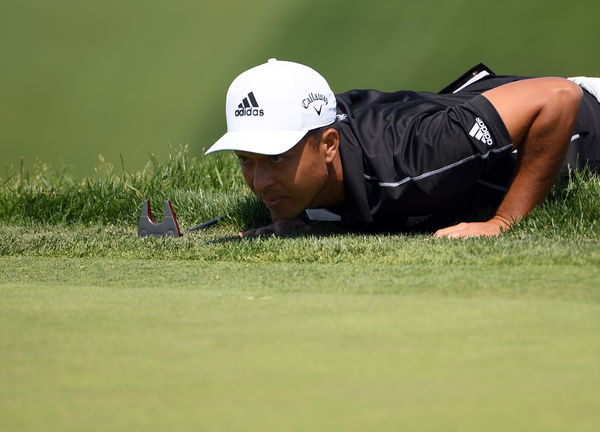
480, 131
249, 107
249, 112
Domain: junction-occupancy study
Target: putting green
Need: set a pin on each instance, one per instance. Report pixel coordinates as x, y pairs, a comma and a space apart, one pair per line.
99, 344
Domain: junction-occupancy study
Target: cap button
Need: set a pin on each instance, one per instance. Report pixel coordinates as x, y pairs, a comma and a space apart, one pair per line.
272, 60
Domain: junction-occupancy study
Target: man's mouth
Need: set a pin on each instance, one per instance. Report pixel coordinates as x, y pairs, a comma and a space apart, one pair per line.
272, 201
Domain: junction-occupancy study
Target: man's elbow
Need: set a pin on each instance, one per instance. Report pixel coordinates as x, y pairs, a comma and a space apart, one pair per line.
558, 106
565, 95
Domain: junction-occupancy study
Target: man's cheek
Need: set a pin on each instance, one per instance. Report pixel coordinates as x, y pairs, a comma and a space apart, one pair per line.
249, 180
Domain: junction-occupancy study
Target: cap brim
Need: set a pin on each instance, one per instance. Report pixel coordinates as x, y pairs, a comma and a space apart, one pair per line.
261, 142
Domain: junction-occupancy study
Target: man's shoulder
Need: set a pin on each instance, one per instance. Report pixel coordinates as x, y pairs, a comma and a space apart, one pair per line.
359, 98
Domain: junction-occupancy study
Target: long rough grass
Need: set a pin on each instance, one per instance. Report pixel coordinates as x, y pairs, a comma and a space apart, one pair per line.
572, 208
203, 188
199, 189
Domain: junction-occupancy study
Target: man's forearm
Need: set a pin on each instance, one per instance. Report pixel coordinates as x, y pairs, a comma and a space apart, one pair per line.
540, 156
539, 115
530, 186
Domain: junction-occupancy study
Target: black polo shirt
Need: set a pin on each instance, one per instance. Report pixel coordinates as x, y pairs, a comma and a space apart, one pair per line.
431, 159
409, 156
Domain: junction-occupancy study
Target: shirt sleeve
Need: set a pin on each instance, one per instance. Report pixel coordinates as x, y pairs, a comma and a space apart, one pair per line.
444, 152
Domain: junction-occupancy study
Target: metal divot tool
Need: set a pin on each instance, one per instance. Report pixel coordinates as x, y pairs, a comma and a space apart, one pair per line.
169, 226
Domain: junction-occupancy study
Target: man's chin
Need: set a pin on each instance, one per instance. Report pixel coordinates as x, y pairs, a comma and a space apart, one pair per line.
278, 214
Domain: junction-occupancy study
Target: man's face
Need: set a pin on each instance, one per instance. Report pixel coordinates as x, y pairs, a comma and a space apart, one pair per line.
286, 183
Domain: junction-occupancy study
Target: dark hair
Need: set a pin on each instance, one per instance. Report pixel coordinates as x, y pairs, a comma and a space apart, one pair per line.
315, 135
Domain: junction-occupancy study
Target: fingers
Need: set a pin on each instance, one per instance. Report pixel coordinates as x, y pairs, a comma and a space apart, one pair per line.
470, 230
282, 226
455, 231
291, 225
256, 232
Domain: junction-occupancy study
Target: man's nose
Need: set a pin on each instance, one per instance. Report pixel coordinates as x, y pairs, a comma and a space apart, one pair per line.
263, 178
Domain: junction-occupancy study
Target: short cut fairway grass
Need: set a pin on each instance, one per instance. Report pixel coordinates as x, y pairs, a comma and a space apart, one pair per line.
121, 344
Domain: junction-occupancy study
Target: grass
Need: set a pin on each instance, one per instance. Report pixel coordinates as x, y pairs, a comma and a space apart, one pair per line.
120, 344
199, 189
221, 244
202, 188
101, 330
328, 330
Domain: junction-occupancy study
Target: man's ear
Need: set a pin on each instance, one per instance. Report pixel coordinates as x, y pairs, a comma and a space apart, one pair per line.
331, 141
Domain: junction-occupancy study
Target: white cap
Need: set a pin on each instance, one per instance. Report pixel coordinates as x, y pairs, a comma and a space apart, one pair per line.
271, 107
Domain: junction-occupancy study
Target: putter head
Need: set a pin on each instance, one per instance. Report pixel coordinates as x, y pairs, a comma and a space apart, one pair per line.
168, 227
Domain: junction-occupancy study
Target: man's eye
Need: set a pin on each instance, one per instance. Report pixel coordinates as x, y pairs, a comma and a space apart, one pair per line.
276, 158
243, 159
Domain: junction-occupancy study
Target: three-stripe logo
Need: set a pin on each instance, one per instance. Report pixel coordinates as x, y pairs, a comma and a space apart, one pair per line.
246, 104
249, 107
480, 131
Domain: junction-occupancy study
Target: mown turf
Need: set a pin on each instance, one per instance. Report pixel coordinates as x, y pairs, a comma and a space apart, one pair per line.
114, 344
322, 247
101, 330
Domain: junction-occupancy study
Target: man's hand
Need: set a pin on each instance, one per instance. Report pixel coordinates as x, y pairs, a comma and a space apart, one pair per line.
282, 226
494, 227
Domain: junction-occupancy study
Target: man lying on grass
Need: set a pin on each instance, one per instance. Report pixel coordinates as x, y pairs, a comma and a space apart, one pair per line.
393, 161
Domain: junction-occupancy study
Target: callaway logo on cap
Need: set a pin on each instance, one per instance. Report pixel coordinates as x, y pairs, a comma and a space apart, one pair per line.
271, 107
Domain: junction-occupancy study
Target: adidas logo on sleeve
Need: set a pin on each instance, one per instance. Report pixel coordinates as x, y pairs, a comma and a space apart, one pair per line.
480, 131
249, 107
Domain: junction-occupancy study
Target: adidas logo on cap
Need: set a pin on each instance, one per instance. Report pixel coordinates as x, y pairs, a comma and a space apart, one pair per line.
480, 131
249, 107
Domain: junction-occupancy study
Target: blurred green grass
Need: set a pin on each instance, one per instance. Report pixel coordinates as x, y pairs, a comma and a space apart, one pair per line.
123, 344
131, 78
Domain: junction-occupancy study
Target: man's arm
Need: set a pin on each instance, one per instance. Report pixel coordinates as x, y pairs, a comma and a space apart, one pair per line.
539, 115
